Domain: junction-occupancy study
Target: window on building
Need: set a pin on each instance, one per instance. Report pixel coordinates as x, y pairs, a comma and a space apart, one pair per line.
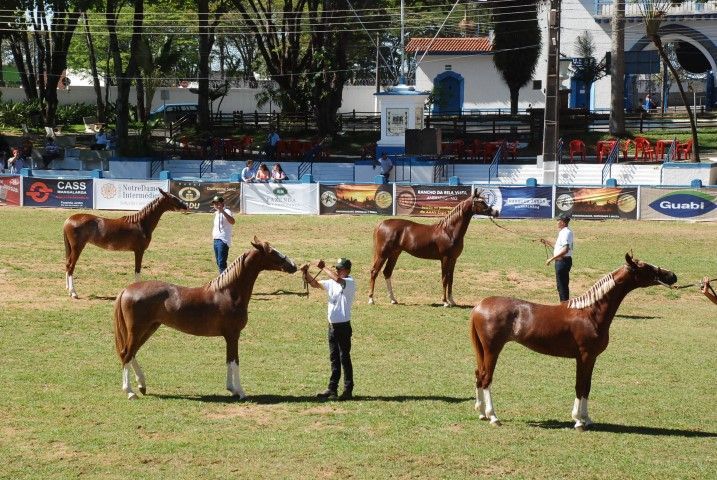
449, 67
537, 84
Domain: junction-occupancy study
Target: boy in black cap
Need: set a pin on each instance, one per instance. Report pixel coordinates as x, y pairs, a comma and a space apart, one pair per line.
562, 255
341, 290
222, 231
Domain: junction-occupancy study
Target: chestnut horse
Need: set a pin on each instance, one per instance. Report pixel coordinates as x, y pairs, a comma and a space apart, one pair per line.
578, 328
440, 241
217, 309
131, 232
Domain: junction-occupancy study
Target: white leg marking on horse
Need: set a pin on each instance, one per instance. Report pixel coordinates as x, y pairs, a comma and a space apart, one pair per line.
370, 300
139, 376
584, 412
71, 286
237, 380
126, 385
389, 287
575, 415
489, 410
230, 376
480, 404
67, 281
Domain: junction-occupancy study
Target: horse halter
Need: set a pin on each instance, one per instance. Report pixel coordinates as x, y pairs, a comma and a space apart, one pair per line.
657, 270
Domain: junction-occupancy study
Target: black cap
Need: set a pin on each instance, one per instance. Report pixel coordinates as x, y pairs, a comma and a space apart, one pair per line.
218, 199
343, 264
565, 217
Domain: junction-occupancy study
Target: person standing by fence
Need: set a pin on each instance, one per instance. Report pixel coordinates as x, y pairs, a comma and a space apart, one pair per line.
562, 255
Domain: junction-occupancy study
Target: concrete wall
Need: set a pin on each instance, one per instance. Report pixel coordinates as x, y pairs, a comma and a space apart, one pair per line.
360, 98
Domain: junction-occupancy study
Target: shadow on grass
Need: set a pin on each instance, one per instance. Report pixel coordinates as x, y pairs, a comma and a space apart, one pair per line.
464, 307
102, 297
634, 429
275, 399
636, 317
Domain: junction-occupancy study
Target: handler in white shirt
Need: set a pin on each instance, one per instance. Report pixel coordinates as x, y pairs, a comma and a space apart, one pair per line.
562, 255
340, 289
222, 232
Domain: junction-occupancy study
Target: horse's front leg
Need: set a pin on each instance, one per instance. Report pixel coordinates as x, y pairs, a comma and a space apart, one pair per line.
138, 254
446, 272
233, 378
451, 266
583, 379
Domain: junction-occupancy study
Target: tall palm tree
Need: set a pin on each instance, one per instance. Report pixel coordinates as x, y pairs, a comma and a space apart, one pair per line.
617, 69
653, 14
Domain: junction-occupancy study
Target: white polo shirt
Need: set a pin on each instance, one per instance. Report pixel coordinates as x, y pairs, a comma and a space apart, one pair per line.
222, 228
340, 299
565, 237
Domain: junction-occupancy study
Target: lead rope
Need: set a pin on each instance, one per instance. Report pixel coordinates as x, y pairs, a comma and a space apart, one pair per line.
698, 284
306, 283
547, 252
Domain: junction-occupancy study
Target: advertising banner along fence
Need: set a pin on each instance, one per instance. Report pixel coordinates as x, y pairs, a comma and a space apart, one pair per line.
357, 199
10, 190
281, 198
597, 203
429, 200
126, 194
678, 204
198, 195
51, 192
520, 202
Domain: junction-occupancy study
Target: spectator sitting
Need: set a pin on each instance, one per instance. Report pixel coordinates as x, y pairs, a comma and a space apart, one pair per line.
649, 104
386, 166
263, 174
277, 173
16, 162
271, 142
52, 152
100, 140
112, 140
247, 173
314, 151
31, 156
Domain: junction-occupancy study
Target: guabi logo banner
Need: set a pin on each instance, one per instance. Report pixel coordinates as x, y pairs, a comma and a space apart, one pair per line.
282, 198
198, 195
356, 199
520, 202
684, 204
429, 200
126, 194
597, 203
51, 192
10, 190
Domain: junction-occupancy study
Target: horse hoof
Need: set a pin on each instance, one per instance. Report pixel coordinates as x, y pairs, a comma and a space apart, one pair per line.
132, 396
74, 295
143, 389
370, 301
580, 428
394, 302
483, 417
495, 423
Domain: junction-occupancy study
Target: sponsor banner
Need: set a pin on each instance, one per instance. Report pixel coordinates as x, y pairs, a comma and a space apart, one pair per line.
597, 202
10, 190
198, 195
678, 204
286, 198
51, 192
429, 200
520, 202
356, 199
126, 194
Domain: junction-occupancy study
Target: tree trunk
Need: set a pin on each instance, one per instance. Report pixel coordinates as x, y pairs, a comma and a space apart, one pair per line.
617, 70
695, 142
141, 107
95, 76
514, 93
205, 48
20, 47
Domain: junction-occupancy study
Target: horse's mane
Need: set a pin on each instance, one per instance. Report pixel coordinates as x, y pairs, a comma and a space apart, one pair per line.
594, 293
453, 213
229, 275
146, 210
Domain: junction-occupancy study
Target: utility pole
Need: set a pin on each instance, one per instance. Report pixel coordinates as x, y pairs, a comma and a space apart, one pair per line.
551, 125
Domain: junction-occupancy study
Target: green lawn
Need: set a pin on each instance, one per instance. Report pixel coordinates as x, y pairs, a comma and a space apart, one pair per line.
64, 414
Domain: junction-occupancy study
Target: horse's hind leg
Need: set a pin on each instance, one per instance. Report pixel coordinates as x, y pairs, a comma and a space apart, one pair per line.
126, 383
72, 257
388, 272
489, 361
139, 376
375, 270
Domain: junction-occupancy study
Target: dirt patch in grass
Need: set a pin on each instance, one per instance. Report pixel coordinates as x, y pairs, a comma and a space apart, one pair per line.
260, 415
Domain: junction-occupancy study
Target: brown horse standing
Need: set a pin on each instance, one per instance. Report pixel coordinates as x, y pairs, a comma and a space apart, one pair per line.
440, 241
131, 232
218, 309
578, 328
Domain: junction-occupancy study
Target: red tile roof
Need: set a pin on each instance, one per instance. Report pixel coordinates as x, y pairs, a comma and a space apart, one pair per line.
450, 45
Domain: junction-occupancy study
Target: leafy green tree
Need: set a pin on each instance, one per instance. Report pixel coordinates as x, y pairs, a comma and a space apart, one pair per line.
516, 45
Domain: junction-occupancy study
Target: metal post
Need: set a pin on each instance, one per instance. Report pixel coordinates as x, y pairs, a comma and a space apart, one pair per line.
552, 86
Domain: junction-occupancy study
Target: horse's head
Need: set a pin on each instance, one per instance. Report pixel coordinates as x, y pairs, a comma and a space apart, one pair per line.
274, 259
175, 203
647, 275
479, 205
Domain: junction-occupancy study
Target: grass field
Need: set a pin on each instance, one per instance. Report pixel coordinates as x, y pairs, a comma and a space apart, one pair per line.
64, 414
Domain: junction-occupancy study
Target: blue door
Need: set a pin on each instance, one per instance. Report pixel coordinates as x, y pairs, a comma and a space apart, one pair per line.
579, 95
450, 88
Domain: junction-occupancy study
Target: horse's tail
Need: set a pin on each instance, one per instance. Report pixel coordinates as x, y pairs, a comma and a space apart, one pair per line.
121, 333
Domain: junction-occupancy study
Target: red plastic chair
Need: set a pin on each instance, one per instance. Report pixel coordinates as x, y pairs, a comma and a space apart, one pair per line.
283, 150
577, 147
474, 150
243, 145
645, 149
684, 149
625, 148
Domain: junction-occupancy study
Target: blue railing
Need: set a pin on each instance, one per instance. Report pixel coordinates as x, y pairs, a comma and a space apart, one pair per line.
207, 166
500, 154
304, 168
611, 158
